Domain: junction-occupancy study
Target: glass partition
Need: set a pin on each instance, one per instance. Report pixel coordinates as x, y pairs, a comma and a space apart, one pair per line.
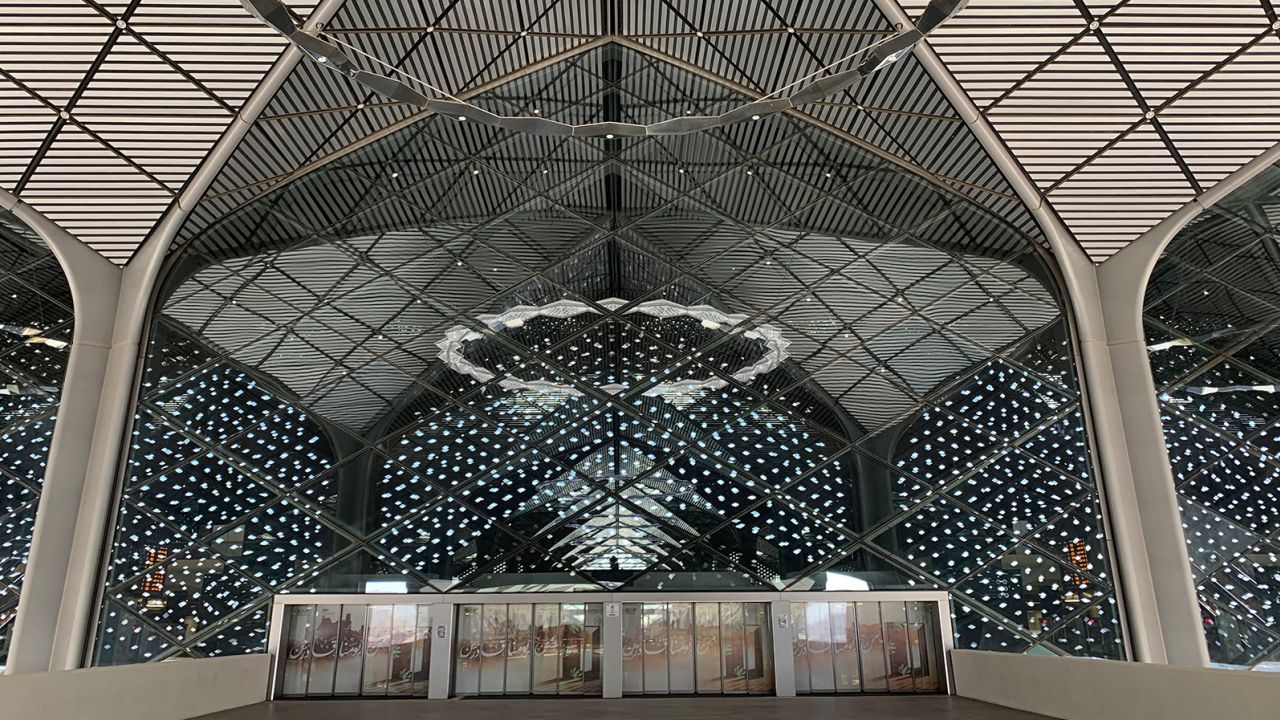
356, 650
866, 647
528, 649
704, 648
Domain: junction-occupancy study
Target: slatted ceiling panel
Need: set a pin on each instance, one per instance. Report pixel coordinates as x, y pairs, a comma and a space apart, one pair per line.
24, 122
989, 48
163, 93
95, 195
223, 47
1231, 117
135, 98
1130, 188
1049, 88
1164, 53
1079, 98
49, 46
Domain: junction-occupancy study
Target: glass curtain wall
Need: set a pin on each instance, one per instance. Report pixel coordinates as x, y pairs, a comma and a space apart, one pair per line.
467, 359
35, 341
1213, 335
696, 648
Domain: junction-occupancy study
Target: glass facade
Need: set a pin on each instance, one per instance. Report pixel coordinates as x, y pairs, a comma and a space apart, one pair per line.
463, 359
35, 340
1212, 313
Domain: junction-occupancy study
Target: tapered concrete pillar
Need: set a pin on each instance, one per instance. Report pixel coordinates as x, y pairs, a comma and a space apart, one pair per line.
95, 287
1144, 540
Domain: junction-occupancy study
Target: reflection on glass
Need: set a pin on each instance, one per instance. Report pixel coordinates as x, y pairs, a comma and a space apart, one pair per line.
519, 649
655, 648
422, 652
818, 635
633, 648
572, 619
896, 646
330, 650
522, 649
493, 649
593, 649
466, 662
350, 665
758, 648
546, 648
926, 651
844, 646
874, 647
871, 647
680, 648
705, 648
297, 650
324, 650
404, 632
377, 650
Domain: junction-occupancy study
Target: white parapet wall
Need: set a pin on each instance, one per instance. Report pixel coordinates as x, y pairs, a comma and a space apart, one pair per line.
1084, 689
172, 690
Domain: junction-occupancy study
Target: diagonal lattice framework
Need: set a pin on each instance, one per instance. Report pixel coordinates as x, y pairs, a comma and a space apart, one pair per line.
297, 431
397, 86
35, 337
1212, 314
467, 47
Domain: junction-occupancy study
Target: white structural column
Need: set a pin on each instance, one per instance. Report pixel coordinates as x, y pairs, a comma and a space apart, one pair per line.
95, 287
60, 591
440, 670
1160, 617
611, 642
784, 662
1122, 283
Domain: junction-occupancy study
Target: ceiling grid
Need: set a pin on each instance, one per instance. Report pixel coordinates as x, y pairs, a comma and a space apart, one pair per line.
148, 86
1120, 112
108, 108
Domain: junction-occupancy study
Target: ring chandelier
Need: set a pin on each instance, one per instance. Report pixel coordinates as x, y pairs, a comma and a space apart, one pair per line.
679, 392
328, 51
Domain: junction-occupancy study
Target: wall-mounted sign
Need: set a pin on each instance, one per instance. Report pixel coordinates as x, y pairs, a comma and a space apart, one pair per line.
612, 609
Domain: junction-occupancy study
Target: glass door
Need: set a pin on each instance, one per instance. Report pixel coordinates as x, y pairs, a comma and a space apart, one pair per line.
866, 647
528, 649
356, 650
686, 648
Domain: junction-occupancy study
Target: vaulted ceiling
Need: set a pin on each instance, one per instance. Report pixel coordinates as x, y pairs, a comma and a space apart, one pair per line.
1120, 112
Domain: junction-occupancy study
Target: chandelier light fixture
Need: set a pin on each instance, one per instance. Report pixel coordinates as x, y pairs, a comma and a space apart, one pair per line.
681, 392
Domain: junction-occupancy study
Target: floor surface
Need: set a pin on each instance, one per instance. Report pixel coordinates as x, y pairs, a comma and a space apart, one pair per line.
717, 708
